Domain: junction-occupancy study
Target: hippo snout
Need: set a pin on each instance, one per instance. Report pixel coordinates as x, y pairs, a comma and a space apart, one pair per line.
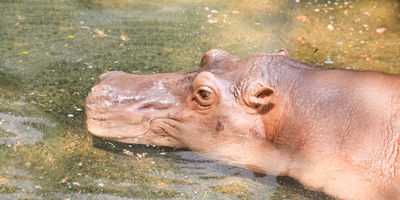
125, 107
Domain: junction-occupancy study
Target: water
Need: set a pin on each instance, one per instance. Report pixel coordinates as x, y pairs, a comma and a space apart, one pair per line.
52, 52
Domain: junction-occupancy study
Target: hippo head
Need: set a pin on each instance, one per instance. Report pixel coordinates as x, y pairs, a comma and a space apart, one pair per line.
226, 95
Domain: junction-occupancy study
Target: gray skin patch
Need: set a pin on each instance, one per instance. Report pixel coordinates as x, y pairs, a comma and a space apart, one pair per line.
21, 130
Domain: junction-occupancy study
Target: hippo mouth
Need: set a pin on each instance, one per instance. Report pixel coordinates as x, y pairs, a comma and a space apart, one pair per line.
142, 130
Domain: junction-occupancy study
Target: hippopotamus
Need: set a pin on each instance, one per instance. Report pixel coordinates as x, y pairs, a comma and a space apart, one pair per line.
334, 130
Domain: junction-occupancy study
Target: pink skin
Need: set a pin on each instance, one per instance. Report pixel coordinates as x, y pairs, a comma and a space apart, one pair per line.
336, 131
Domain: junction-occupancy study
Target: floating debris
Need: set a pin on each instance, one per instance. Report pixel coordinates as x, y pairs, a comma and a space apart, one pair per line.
212, 21
381, 30
127, 152
21, 17
214, 11
123, 37
141, 155
64, 180
330, 27
70, 37
328, 60
86, 27
99, 33
25, 52
302, 18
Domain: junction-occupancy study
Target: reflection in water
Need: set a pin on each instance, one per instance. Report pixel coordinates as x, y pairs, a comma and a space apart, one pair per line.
20, 129
52, 53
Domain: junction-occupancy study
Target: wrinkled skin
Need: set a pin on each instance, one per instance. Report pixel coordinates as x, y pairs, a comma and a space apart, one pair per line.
335, 131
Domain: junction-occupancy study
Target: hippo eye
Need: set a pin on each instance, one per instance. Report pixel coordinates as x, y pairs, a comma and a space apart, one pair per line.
204, 96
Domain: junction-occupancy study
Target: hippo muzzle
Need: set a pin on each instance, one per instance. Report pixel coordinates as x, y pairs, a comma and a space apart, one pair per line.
128, 107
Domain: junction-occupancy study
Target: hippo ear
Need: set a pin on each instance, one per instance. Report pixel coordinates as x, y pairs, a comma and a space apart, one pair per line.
259, 98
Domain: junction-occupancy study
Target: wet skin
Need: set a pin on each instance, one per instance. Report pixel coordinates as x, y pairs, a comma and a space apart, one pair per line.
336, 131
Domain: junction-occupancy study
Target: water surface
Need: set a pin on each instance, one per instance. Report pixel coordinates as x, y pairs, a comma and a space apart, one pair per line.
52, 52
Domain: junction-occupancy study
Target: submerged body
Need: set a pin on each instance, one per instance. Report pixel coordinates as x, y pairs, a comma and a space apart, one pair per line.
336, 131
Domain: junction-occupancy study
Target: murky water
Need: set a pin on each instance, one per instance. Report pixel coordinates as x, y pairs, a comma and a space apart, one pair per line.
52, 52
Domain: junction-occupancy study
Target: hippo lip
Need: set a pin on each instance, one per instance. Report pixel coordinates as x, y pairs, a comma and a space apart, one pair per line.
115, 126
149, 130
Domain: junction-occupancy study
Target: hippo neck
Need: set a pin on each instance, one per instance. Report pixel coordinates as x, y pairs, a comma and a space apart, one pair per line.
294, 83
326, 118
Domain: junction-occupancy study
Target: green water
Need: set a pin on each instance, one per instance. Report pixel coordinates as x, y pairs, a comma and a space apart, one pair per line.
52, 52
